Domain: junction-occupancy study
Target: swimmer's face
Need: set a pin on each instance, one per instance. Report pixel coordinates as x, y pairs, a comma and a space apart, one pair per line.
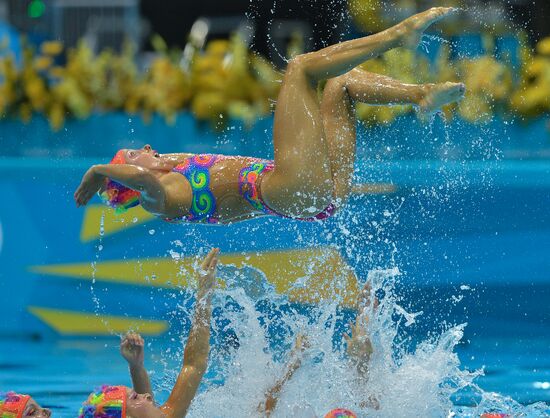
146, 157
33, 410
141, 405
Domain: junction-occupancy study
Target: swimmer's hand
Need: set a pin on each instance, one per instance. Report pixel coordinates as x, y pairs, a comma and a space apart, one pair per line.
301, 343
89, 186
207, 274
366, 301
358, 343
131, 348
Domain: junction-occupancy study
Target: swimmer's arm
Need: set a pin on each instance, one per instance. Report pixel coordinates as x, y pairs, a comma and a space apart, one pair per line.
359, 345
131, 176
272, 395
140, 380
132, 349
195, 356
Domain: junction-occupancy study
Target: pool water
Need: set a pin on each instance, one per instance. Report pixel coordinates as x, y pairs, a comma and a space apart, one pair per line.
513, 355
469, 238
60, 374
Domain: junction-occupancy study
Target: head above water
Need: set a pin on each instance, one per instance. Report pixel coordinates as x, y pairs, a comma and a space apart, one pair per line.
114, 194
119, 402
120, 197
145, 157
15, 405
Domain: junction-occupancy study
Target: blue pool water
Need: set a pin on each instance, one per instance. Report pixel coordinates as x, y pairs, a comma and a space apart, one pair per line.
470, 237
513, 354
60, 373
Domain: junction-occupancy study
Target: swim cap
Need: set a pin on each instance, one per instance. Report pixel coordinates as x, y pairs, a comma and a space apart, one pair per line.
494, 415
340, 413
107, 402
119, 197
12, 405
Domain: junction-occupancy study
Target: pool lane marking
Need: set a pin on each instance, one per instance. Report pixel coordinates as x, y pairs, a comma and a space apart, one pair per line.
305, 275
82, 323
113, 223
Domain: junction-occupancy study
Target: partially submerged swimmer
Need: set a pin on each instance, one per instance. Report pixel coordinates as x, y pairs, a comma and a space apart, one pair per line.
124, 402
15, 405
358, 348
314, 143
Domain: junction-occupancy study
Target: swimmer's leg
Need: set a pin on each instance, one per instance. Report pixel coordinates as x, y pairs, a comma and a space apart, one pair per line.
338, 59
339, 116
302, 182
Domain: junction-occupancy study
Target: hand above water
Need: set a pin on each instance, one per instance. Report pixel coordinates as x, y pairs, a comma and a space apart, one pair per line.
268, 405
90, 185
365, 299
301, 343
359, 346
207, 273
132, 349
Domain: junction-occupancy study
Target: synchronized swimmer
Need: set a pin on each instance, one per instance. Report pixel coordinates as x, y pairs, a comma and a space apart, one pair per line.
19, 405
138, 402
359, 350
309, 179
314, 143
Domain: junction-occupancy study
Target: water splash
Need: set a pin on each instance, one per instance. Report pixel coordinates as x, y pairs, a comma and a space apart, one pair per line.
99, 248
405, 374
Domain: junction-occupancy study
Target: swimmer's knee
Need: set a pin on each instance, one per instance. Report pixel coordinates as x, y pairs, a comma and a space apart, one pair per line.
297, 64
302, 64
339, 82
336, 88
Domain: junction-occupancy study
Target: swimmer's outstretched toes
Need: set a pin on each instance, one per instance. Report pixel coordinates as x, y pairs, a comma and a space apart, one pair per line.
415, 26
439, 95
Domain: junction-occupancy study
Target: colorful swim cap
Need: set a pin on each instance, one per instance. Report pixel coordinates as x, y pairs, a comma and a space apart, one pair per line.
119, 197
494, 415
340, 413
12, 405
108, 402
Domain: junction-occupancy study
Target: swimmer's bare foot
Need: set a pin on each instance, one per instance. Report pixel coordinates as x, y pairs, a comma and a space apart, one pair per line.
414, 26
439, 95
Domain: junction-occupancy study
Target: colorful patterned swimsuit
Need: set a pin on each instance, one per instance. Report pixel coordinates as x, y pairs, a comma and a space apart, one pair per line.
203, 208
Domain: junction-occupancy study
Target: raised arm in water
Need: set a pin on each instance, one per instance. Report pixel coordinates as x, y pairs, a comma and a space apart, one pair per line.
195, 358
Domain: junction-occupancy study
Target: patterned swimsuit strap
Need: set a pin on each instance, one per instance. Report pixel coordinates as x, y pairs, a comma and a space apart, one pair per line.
250, 190
197, 171
249, 184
